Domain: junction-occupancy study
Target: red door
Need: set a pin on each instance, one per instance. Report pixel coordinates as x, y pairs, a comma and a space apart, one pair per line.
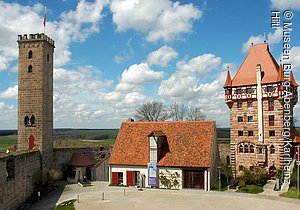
31, 142
129, 177
114, 180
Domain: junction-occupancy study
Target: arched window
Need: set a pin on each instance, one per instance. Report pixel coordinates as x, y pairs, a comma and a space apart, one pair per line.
251, 148
30, 54
26, 120
246, 148
29, 68
32, 120
272, 149
10, 169
241, 148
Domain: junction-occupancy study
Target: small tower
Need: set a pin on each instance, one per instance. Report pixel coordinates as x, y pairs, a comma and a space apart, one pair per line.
35, 95
255, 99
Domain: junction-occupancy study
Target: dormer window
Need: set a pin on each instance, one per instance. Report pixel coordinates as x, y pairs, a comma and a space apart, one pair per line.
158, 146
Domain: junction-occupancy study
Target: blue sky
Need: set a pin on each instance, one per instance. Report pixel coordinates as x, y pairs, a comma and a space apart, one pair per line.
113, 55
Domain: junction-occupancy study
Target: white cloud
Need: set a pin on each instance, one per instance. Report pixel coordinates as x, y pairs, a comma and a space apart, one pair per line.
272, 39
140, 73
10, 93
162, 56
185, 83
285, 4
158, 19
295, 58
74, 25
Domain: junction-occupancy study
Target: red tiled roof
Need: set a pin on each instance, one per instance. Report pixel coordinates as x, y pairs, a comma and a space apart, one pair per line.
258, 54
295, 136
80, 159
228, 80
280, 77
292, 79
11, 149
190, 143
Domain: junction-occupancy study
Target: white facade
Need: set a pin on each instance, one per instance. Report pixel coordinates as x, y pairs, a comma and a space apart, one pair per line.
162, 171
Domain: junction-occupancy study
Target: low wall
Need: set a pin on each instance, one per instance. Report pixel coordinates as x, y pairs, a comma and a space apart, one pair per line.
19, 175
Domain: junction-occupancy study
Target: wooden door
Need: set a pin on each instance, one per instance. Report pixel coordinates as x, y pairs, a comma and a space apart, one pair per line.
31, 144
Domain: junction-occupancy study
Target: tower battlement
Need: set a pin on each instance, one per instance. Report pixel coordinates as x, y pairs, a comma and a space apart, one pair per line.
35, 37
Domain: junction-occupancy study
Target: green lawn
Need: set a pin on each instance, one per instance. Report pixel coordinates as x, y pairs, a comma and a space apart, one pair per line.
254, 189
67, 205
7, 141
292, 193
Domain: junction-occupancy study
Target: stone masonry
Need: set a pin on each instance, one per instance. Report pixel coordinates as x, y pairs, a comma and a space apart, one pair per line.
35, 96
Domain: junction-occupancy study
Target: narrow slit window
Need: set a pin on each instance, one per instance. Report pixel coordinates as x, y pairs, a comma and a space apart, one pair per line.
29, 68
30, 53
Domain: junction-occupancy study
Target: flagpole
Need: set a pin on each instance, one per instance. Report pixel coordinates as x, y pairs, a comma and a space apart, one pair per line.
44, 19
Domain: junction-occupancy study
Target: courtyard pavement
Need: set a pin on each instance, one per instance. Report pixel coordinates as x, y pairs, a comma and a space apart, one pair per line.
91, 198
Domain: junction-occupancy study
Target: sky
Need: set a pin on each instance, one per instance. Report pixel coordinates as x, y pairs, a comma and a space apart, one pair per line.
111, 56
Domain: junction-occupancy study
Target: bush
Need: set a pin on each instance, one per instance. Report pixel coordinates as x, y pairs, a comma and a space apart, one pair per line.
258, 177
251, 189
293, 180
54, 175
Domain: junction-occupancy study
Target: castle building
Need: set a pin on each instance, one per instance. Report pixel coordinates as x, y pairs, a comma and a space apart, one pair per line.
35, 95
255, 99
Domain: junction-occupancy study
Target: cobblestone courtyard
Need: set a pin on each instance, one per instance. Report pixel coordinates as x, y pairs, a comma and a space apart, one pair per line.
90, 198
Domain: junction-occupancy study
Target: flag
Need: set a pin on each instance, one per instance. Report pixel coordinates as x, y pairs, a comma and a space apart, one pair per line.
44, 16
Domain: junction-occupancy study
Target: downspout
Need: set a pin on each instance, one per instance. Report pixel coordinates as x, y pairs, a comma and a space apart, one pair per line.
259, 104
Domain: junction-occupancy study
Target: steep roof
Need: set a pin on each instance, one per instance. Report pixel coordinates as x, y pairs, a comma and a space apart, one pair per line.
258, 54
292, 79
80, 159
190, 143
228, 80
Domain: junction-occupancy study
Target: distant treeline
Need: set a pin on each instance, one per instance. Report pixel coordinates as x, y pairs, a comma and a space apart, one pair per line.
99, 134
91, 134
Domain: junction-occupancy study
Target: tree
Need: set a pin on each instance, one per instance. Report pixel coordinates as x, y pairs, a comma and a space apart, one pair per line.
152, 111
177, 111
195, 114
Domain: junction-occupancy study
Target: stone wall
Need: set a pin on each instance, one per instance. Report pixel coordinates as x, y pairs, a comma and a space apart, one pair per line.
224, 152
19, 174
100, 154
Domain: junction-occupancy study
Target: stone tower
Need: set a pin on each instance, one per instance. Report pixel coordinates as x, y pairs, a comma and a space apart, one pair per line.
255, 98
35, 95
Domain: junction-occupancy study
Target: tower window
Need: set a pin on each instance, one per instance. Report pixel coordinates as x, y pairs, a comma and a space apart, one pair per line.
239, 104
240, 133
260, 151
271, 105
250, 118
271, 133
272, 149
30, 53
241, 168
270, 89
271, 120
249, 104
246, 148
32, 120
29, 68
250, 133
240, 119
241, 148
251, 149
26, 120
48, 57
249, 90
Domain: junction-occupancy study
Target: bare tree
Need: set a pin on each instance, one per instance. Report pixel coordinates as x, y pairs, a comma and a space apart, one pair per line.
195, 114
152, 111
178, 111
